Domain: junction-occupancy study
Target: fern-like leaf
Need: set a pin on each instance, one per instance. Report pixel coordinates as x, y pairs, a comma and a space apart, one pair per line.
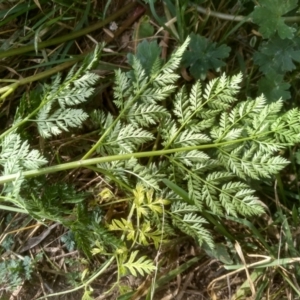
192, 225
142, 265
16, 155
60, 121
175, 59
146, 114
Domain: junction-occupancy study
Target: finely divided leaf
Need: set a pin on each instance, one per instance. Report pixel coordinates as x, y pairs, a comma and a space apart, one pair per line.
16, 155
61, 120
146, 114
143, 265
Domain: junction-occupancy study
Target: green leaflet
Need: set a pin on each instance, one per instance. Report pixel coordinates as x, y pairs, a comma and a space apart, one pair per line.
135, 266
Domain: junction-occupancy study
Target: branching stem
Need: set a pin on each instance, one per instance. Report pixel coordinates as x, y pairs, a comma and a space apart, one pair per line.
126, 156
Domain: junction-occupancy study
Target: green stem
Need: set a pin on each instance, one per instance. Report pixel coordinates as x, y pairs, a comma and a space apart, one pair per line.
70, 36
7, 90
15, 126
12, 87
14, 209
126, 156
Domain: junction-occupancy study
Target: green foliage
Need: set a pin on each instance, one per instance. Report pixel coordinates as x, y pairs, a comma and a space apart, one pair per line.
68, 240
7, 243
145, 29
277, 55
135, 266
204, 55
274, 87
14, 271
279, 51
181, 159
298, 157
16, 155
41, 199
268, 15
147, 210
185, 218
55, 116
244, 137
147, 54
219, 146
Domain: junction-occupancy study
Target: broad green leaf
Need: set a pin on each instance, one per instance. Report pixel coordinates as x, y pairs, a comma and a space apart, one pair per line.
204, 55
147, 54
145, 28
268, 15
274, 87
277, 55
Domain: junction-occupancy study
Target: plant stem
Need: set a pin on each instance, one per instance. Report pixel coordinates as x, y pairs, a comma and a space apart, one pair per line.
126, 156
12, 87
14, 209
